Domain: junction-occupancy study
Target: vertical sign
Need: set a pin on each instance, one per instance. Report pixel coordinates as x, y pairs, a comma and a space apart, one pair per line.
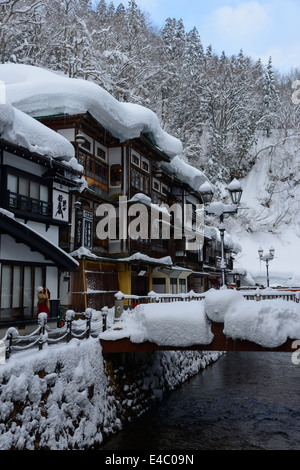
84, 236
60, 205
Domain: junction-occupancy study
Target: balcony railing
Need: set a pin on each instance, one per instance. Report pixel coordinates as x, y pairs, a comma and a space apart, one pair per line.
29, 204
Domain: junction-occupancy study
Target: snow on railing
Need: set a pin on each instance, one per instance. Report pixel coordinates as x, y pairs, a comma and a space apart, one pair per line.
80, 329
84, 328
128, 302
271, 294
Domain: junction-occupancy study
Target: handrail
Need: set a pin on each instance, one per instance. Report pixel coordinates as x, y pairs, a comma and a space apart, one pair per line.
41, 337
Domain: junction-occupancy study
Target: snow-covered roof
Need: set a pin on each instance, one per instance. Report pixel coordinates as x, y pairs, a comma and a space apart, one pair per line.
40, 92
186, 173
18, 128
85, 252
36, 240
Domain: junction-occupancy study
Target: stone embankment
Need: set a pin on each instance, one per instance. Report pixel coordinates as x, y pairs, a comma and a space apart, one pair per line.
73, 397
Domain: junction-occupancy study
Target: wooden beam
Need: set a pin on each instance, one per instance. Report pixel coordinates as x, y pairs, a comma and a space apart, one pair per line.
219, 343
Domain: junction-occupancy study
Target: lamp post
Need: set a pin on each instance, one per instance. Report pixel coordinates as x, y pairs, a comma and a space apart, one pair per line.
268, 257
219, 209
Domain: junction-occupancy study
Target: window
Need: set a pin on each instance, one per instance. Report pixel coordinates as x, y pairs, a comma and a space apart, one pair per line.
86, 145
18, 291
145, 165
173, 286
156, 185
28, 195
116, 175
135, 159
140, 181
182, 286
93, 167
12, 183
26, 187
101, 153
164, 189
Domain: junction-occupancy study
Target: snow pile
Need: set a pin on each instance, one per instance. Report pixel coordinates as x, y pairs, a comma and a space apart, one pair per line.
175, 324
69, 372
18, 128
218, 302
85, 252
165, 324
165, 260
186, 173
39, 92
65, 398
268, 323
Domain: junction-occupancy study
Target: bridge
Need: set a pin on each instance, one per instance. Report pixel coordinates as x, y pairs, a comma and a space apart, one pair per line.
219, 343
224, 320
257, 320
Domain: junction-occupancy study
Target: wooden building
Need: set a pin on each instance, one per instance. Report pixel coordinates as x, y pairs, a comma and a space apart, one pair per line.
34, 200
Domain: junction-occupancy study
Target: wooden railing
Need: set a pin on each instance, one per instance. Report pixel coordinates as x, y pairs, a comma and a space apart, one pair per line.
153, 297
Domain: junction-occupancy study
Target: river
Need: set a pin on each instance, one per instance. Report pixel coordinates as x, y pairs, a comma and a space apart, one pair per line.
244, 401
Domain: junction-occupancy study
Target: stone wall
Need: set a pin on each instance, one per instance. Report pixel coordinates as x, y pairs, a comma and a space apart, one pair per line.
71, 397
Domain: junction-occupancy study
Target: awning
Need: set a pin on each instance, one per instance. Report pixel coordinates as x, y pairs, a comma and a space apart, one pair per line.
175, 271
24, 234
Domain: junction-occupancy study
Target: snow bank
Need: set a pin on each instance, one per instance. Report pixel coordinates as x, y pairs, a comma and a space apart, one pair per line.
65, 373
268, 323
217, 303
176, 324
65, 397
39, 92
168, 324
18, 128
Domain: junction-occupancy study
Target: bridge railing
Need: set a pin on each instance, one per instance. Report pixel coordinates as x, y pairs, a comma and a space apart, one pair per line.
42, 336
87, 326
267, 294
128, 302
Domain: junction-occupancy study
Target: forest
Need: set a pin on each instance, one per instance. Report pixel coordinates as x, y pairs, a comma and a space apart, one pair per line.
218, 106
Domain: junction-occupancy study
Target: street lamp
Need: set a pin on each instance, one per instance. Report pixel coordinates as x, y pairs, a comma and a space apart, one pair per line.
235, 191
219, 209
268, 257
207, 192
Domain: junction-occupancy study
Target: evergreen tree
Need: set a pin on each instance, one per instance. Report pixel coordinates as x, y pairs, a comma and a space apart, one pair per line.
270, 98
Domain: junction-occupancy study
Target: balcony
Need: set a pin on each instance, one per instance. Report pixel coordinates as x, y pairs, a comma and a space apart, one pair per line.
28, 204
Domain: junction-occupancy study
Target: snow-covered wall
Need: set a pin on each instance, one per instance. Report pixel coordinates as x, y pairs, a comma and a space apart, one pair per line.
69, 397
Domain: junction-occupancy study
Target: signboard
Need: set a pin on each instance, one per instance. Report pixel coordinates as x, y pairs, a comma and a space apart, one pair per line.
60, 205
84, 233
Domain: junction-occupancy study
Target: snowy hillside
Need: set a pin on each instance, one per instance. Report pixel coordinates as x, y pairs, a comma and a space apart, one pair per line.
271, 217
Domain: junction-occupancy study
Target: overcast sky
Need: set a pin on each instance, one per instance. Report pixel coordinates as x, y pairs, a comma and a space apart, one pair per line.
261, 28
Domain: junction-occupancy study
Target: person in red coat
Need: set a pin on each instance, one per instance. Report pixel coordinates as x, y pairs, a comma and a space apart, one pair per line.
43, 300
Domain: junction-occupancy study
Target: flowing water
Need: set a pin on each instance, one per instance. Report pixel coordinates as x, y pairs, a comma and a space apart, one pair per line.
243, 401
